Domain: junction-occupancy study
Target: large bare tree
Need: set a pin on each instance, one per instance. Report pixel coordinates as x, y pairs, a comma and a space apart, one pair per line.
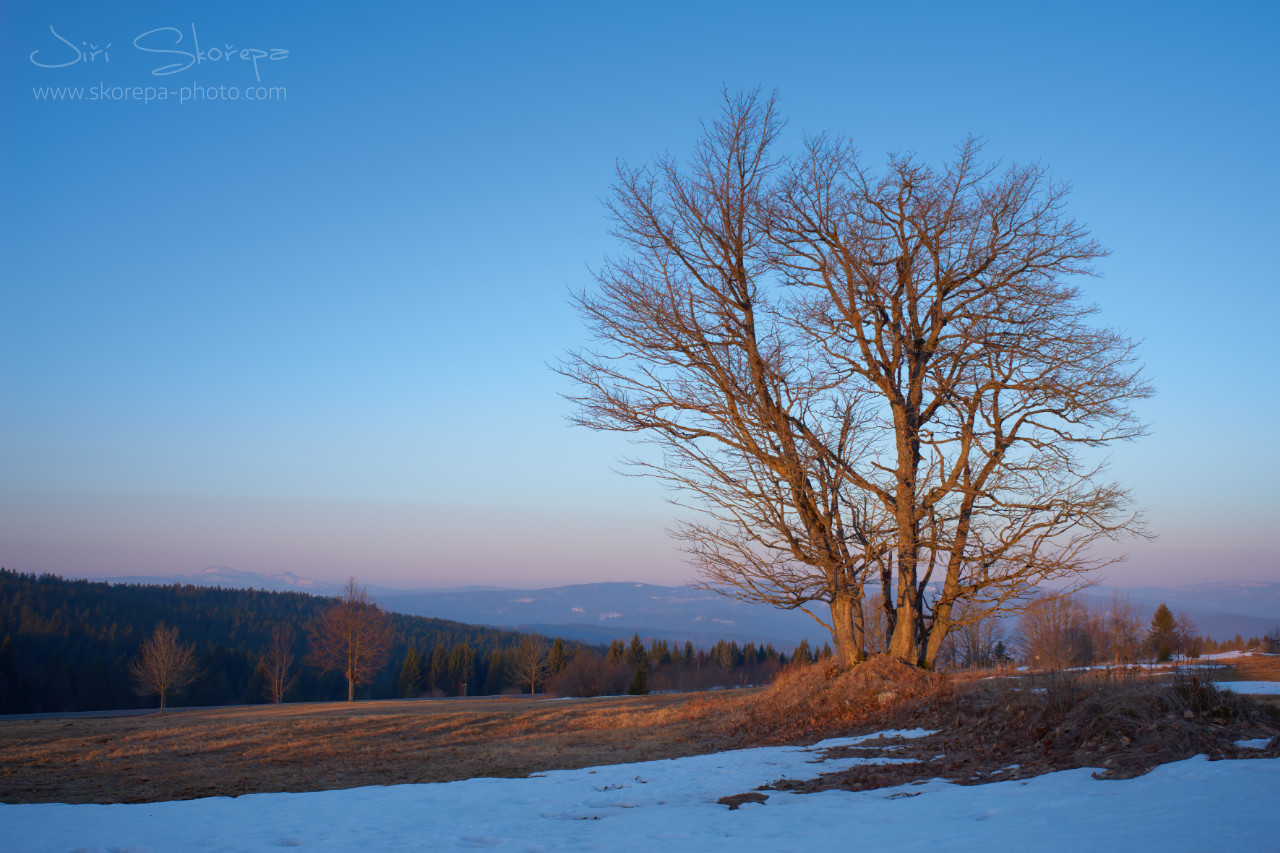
944, 295
697, 354
861, 377
163, 665
352, 637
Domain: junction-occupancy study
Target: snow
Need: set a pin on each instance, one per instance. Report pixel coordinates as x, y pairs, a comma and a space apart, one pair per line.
671, 806
1226, 655
1254, 743
1256, 688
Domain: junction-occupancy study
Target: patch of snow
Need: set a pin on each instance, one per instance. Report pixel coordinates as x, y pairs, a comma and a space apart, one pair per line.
1225, 655
671, 805
1254, 743
1255, 688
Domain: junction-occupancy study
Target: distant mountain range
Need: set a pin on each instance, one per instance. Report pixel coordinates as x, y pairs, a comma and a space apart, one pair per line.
600, 612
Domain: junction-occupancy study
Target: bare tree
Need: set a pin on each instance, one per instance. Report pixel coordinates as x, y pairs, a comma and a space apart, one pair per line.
163, 665
696, 355
862, 378
527, 663
875, 625
352, 637
1124, 629
975, 639
1189, 643
276, 664
1053, 633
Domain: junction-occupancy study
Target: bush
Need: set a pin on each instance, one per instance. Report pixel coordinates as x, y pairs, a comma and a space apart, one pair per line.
589, 674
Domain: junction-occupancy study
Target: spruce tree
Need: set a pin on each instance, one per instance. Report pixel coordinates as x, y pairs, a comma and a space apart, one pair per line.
617, 651
411, 675
1163, 634
558, 657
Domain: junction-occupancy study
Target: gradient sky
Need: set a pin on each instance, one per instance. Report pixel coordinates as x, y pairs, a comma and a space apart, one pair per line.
311, 333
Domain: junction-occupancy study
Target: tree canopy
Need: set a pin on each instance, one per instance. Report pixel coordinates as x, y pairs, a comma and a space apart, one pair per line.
861, 378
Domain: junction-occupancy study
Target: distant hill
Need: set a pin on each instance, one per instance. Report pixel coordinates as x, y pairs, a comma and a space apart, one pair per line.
598, 612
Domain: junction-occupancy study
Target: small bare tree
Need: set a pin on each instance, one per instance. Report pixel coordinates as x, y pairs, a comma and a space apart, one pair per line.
1188, 636
1053, 633
163, 665
276, 664
975, 639
1124, 629
352, 637
527, 663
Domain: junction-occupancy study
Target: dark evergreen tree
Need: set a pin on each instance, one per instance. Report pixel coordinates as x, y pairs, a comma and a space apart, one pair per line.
411, 675
637, 656
1162, 637
438, 678
496, 677
557, 657
462, 664
617, 651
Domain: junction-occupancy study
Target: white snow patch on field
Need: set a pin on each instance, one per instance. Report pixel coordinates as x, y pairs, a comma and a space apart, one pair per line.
1254, 688
671, 806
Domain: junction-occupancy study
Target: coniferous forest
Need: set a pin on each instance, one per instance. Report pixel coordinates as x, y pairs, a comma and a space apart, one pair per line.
65, 645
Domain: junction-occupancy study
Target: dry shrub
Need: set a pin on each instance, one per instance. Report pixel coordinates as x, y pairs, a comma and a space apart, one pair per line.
590, 675
817, 699
1130, 726
1011, 729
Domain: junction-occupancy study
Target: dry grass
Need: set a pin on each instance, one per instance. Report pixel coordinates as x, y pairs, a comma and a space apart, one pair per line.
1121, 722
316, 747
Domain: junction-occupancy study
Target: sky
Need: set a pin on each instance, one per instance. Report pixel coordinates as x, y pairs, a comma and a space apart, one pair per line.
298, 314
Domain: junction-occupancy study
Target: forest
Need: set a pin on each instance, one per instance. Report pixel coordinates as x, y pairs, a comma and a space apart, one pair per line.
66, 645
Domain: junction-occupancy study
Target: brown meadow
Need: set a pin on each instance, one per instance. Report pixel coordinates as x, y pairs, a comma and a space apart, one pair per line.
1042, 722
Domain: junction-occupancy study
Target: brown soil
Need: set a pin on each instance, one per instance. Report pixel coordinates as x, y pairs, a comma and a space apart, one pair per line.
1123, 724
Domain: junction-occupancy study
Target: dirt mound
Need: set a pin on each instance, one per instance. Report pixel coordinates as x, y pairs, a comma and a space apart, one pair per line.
817, 700
1132, 728
1015, 729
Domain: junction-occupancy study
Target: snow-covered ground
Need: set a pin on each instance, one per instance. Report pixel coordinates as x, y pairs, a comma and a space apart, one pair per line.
671, 806
1255, 688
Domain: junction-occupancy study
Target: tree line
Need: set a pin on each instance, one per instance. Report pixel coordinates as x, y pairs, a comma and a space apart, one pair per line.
67, 645
1065, 631
78, 645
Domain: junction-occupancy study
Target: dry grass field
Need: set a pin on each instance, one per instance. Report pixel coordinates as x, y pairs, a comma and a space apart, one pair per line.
1042, 723
307, 747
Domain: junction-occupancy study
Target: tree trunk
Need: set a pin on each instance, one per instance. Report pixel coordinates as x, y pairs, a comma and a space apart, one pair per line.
937, 633
351, 689
848, 648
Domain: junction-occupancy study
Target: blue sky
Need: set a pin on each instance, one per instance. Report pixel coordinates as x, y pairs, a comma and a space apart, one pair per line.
310, 332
